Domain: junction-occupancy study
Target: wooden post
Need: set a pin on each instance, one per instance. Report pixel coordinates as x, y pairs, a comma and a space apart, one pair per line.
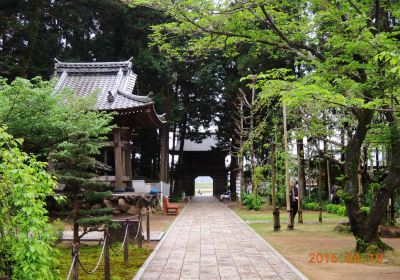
148, 225
106, 255
128, 166
287, 180
328, 177
392, 210
277, 224
140, 235
126, 245
320, 190
105, 156
301, 177
75, 267
118, 158
164, 153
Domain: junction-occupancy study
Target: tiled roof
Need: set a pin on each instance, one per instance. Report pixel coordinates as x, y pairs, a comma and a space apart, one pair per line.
206, 144
114, 82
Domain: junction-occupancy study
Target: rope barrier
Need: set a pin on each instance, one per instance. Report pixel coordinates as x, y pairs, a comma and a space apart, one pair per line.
123, 243
106, 240
139, 227
98, 262
70, 268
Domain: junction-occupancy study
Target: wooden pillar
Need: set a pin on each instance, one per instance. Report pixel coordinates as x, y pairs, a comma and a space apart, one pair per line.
118, 158
164, 153
105, 156
128, 166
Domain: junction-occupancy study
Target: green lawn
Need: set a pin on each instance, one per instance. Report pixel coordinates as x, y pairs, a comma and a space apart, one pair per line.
90, 254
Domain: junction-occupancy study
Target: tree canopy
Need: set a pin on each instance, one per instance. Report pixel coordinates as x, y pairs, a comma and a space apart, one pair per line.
342, 77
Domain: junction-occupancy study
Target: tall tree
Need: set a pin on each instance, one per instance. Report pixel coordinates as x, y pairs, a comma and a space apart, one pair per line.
338, 41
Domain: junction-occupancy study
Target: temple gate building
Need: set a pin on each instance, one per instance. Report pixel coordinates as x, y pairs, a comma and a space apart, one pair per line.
201, 159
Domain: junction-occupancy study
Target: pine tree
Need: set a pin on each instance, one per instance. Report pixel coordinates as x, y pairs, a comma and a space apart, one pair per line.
74, 164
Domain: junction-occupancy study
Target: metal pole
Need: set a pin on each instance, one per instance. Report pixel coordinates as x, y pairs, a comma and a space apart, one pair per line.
75, 252
126, 245
106, 255
140, 235
148, 225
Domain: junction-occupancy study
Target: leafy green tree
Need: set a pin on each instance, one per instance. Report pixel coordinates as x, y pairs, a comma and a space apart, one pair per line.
334, 43
26, 237
66, 130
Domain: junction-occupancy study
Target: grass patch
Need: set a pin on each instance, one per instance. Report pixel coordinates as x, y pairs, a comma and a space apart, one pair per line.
263, 215
90, 254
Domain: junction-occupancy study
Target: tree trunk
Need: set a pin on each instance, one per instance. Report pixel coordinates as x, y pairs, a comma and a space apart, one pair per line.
75, 215
364, 228
33, 36
252, 153
287, 180
233, 173
182, 137
301, 176
370, 237
275, 209
172, 177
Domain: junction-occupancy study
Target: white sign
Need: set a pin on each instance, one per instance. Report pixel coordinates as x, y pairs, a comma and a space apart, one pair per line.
238, 182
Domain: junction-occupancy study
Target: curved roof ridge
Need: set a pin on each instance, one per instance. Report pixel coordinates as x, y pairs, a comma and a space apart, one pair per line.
110, 66
140, 98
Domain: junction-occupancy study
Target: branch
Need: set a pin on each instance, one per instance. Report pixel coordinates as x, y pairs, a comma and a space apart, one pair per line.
293, 45
355, 7
244, 98
244, 36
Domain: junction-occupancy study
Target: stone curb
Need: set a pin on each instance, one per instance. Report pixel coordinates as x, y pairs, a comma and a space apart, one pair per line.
282, 258
141, 271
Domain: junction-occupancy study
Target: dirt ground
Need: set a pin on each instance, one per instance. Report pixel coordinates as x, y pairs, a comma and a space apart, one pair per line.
158, 222
298, 245
298, 249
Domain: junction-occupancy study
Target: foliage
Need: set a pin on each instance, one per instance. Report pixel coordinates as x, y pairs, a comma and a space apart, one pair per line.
311, 206
26, 238
74, 162
339, 209
45, 120
62, 128
252, 201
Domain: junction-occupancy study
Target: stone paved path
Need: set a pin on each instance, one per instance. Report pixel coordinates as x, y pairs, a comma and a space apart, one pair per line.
208, 241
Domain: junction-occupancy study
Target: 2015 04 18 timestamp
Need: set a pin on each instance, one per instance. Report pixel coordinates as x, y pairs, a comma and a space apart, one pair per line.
349, 257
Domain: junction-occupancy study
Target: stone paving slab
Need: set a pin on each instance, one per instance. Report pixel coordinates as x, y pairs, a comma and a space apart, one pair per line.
209, 241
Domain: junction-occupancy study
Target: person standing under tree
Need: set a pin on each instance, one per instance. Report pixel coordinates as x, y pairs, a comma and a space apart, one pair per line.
294, 197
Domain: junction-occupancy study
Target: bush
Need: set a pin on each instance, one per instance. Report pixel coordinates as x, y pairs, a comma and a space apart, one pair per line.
26, 238
335, 208
252, 201
365, 209
311, 206
341, 211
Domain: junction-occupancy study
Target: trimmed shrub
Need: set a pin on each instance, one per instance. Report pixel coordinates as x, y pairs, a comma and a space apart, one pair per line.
329, 207
335, 208
252, 202
311, 206
365, 209
341, 211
